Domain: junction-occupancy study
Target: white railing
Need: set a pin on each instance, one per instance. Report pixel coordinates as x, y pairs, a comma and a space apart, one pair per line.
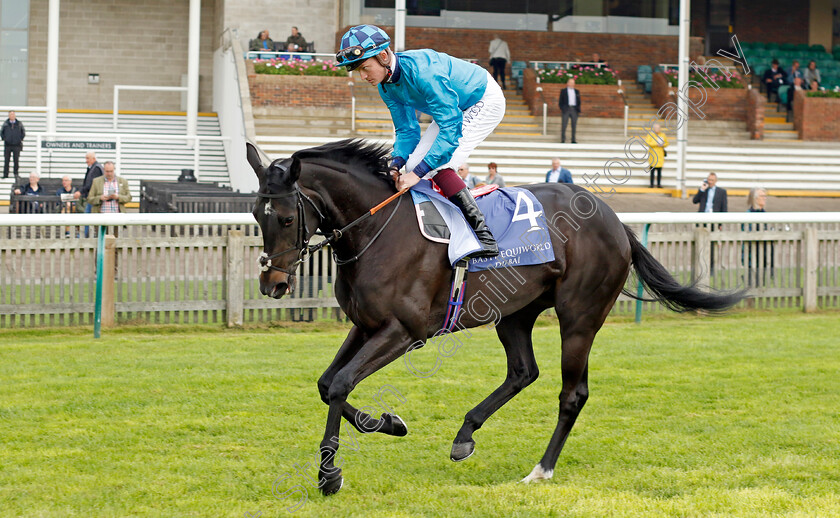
23, 109
118, 139
303, 56
150, 250
117, 89
566, 64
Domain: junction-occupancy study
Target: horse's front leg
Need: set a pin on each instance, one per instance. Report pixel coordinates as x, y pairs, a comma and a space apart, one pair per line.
387, 423
384, 346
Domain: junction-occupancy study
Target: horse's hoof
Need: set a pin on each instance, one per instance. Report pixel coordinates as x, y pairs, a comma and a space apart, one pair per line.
537, 474
332, 484
462, 450
397, 425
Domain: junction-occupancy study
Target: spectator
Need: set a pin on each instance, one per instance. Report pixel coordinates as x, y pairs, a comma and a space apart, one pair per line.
596, 58
773, 78
570, 106
12, 134
68, 207
469, 180
296, 42
493, 176
793, 72
499, 57
710, 197
752, 250
797, 85
109, 193
811, 74
558, 174
262, 42
815, 85
33, 188
656, 142
94, 171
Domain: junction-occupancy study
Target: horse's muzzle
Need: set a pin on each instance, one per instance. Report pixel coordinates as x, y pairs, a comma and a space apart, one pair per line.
275, 286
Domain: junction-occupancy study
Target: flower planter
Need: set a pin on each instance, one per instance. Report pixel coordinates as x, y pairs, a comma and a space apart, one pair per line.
723, 104
816, 118
292, 91
596, 100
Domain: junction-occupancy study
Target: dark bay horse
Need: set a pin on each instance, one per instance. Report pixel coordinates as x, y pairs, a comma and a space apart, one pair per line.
394, 285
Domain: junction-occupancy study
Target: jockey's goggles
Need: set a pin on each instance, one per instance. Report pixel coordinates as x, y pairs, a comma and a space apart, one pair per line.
350, 57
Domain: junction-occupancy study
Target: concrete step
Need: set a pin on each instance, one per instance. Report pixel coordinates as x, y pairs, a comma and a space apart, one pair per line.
781, 134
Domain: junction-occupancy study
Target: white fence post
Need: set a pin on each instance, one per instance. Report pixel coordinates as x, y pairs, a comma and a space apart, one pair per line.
234, 278
810, 249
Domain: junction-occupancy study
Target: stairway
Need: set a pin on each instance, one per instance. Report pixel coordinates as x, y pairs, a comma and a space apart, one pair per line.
776, 126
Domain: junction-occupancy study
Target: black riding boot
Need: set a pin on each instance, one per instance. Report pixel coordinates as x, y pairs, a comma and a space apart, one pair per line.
465, 201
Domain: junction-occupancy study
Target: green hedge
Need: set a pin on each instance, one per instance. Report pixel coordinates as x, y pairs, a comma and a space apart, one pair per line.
582, 76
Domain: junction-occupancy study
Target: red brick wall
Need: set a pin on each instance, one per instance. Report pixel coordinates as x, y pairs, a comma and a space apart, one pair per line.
780, 21
816, 118
297, 91
724, 104
755, 114
596, 100
624, 52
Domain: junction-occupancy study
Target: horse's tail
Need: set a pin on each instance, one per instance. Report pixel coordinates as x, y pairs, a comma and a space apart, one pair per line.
670, 293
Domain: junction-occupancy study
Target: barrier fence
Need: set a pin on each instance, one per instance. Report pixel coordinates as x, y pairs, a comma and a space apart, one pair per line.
201, 268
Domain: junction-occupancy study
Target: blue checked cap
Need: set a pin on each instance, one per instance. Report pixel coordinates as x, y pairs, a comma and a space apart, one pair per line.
369, 37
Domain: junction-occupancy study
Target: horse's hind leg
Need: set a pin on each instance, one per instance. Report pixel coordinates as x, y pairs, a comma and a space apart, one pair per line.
515, 333
577, 341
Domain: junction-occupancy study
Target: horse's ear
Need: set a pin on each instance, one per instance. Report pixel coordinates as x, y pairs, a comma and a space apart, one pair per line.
255, 160
294, 171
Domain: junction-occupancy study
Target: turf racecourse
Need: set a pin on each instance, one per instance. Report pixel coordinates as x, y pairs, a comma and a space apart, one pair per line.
688, 416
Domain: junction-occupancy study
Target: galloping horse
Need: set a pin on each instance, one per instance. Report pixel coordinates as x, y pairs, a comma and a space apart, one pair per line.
394, 285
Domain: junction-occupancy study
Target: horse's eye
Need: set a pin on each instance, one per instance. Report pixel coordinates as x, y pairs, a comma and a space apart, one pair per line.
288, 221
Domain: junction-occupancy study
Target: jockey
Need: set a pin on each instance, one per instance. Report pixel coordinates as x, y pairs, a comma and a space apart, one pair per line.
465, 103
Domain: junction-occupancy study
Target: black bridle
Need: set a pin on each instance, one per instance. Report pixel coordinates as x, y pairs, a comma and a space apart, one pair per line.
302, 246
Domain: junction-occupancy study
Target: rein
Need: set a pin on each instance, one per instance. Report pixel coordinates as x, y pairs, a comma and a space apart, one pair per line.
302, 245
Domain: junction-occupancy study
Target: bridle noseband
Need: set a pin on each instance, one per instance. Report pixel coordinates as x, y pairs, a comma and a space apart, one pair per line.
302, 246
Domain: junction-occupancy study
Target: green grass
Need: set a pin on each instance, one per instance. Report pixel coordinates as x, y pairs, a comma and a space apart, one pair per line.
688, 416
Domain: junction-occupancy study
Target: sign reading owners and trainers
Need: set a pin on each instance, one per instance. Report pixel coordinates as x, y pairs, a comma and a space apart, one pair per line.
77, 144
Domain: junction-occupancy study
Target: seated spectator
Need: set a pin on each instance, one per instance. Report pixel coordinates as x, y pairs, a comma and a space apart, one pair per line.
811, 74
469, 179
797, 85
793, 72
296, 42
68, 207
33, 188
493, 177
815, 86
558, 174
596, 58
773, 78
262, 42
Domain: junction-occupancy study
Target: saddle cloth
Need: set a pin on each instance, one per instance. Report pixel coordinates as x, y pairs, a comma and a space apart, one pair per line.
514, 215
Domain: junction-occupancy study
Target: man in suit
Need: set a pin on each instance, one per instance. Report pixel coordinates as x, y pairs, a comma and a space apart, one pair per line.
774, 77
570, 106
710, 197
558, 174
109, 193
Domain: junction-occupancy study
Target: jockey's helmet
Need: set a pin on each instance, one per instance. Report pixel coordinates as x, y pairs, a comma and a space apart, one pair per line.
360, 43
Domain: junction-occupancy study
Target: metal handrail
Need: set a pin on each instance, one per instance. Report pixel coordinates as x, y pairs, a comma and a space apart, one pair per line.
568, 64
544, 110
620, 92
304, 56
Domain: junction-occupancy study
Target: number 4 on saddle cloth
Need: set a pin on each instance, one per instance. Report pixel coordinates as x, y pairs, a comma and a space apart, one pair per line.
515, 218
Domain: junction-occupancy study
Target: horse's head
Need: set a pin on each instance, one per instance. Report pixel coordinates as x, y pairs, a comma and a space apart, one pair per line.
279, 212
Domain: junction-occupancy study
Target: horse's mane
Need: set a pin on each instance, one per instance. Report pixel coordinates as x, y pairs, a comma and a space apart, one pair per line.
358, 153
